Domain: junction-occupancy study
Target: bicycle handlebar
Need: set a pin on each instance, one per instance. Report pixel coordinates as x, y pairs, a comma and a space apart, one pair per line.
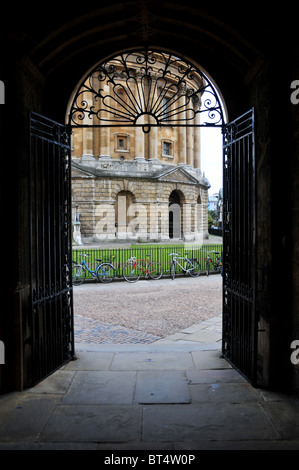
178, 254
134, 258
212, 251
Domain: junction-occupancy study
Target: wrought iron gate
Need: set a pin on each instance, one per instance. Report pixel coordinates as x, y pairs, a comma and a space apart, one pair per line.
50, 341
239, 244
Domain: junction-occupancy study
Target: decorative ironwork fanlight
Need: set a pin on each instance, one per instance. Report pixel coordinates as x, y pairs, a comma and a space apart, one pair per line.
146, 88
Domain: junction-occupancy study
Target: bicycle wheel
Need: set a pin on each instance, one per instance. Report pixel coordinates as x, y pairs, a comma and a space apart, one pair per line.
172, 270
78, 274
193, 268
155, 270
131, 273
105, 272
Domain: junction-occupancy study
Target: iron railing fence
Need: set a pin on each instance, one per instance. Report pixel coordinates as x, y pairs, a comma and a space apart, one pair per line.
119, 256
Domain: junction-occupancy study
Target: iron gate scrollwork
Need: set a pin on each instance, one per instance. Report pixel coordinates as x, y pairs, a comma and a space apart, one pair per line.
50, 341
239, 245
146, 89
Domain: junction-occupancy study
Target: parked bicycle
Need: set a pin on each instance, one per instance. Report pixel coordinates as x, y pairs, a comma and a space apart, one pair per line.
185, 266
103, 272
212, 264
135, 267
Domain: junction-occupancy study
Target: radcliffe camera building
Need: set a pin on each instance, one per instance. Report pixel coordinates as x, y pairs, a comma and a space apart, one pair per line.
136, 163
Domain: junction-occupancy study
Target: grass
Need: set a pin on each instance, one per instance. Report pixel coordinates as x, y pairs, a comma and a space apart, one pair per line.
119, 256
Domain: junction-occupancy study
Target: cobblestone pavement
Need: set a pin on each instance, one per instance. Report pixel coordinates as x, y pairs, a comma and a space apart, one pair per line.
88, 330
145, 311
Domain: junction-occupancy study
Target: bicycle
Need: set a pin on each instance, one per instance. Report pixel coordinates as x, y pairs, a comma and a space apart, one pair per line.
104, 271
190, 266
209, 261
134, 267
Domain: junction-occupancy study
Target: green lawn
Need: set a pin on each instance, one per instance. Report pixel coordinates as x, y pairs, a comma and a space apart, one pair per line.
119, 256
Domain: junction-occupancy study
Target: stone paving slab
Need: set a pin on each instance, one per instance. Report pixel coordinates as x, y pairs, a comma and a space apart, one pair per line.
223, 393
285, 416
99, 360
58, 382
214, 322
209, 360
161, 387
93, 423
214, 376
23, 416
207, 422
207, 331
101, 388
203, 336
152, 361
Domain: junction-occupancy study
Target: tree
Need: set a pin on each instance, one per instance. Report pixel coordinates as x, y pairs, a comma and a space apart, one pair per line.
212, 218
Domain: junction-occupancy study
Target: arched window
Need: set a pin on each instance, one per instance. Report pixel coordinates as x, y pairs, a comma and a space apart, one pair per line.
124, 201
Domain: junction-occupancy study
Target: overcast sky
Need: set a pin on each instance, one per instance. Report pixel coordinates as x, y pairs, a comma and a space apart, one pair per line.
211, 157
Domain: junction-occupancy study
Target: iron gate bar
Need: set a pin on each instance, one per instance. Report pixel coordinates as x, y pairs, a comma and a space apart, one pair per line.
239, 245
50, 340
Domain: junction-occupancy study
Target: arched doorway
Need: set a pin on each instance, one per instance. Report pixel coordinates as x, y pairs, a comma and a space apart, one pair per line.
172, 91
175, 215
46, 61
157, 106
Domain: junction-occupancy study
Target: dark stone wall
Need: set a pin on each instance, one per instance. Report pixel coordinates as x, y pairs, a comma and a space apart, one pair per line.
23, 92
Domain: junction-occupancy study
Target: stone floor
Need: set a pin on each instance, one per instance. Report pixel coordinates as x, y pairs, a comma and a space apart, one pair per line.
176, 394
129, 390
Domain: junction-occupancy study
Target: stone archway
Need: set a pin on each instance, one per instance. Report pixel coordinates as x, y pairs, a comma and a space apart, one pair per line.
43, 65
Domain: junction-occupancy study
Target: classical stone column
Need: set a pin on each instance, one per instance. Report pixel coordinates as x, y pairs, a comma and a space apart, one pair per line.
105, 131
153, 141
96, 140
196, 145
139, 139
158, 220
77, 142
96, 130
87, 132
189, 136
182, 131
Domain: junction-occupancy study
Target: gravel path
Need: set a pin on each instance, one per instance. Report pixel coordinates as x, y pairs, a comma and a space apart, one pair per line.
159, 308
